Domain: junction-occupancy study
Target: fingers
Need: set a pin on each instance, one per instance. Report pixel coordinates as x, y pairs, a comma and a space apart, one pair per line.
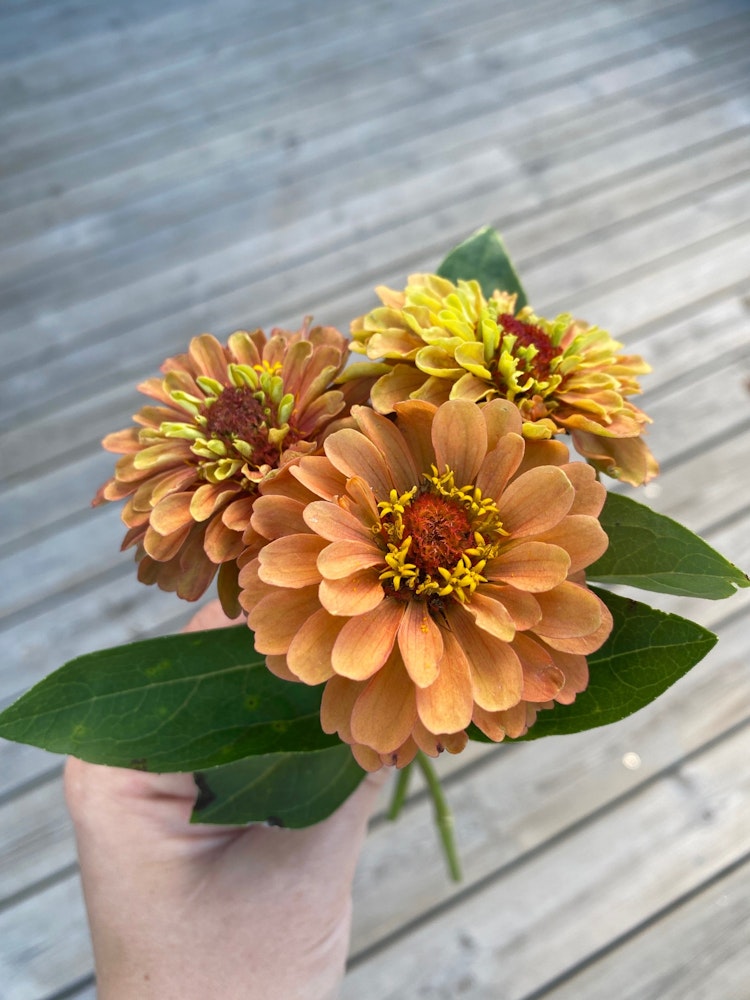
211, 615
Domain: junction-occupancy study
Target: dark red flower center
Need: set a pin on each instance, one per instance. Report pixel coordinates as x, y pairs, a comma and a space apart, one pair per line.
528, 335
236, 414
440, 531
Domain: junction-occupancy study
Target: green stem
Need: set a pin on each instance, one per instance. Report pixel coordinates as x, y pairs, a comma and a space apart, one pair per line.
399, 792
443, 816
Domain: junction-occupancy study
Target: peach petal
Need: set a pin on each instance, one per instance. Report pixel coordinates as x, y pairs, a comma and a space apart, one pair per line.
522, 607
496, 675
210, 497
542, 678
355, 595
385, 711
341, 559
365, 642
252, 587
531, 566
576, 670
286, 483
459, 435
491, 615
501, 417
446, 705
388, 439
278, 666
420, 642
539, 453
172, 514
625, 458
277, 617
354, 455
165, 547
220, 544
159, 456
582, 537
360, 502
489, 723
434, 745
291, 561
156, 488
401, 757
415, 423
319, 476
536, 501
237, 515
276, 516
587, 643
336, 704
309, 653
515, 721
367, 759
398, 385
568, 611
499, 465
331, 521
590, 494
122, 442
196, 571
209, 357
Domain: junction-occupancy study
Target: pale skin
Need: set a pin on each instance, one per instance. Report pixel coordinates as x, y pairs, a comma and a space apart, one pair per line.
181, 912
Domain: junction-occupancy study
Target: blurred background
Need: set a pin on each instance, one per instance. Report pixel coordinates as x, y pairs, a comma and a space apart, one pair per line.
205, 166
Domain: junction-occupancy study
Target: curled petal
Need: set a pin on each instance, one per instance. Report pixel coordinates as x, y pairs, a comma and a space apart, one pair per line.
542, 677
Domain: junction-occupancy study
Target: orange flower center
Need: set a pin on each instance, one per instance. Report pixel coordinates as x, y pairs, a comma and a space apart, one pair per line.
440, 532
238, 414
537, 363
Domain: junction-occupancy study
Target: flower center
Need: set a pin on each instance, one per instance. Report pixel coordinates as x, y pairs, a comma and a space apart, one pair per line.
438, 538
236, 413
533, 347
440, 531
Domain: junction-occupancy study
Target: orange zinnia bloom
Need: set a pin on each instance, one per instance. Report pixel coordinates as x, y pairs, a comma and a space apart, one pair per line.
429, 571
225, 419
438, 341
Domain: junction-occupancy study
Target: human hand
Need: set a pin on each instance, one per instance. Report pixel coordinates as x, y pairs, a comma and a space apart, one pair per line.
180, 911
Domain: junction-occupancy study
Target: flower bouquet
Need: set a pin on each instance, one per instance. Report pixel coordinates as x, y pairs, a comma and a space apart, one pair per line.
410, 538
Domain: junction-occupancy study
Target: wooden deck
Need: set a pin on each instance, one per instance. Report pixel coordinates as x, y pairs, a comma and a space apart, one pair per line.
175, 167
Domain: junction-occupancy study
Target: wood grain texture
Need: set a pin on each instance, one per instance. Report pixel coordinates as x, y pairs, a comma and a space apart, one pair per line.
179, 167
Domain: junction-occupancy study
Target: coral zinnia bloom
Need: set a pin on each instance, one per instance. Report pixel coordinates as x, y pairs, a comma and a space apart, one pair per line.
438, 340
225, 419
429, 570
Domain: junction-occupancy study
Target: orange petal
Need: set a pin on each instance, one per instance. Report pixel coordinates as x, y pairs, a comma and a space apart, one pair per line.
531, 566
582, 537
523, 609
542, 678
278, 666
415, 423
355, 595
590, 494
331, 521
291, 561
397, 385
172, 513
341, 559
309, 653
367, 759
390, 442
352, 454
336, 704
220, 544
421, 643
365, 642
237, 515
576, 671
489, 723
433, 745
568, 611
586, 643
384, 713
536, 501
277, 618
491, 615
208, 356
165, 547
319, 476
543, 452
496, 675
459, 435
499, 465
446, 705
275, 516
501, 417
209, 497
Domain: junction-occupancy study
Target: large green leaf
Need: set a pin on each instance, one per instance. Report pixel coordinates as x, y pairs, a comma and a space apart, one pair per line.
647, 652
483, 258
653, 552
293, 789
177, 703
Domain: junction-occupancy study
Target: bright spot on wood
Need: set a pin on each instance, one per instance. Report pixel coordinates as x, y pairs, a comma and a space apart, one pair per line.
631, 761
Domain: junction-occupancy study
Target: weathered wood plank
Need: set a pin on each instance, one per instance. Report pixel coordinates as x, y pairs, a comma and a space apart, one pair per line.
530, 920
696, 951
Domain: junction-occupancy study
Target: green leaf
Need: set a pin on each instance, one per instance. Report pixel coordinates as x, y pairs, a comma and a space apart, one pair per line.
177, 703
653, 552
646, 653
483, 258
293, 789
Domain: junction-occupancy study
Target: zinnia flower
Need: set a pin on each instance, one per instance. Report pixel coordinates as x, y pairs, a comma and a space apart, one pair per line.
438, 341
429, 571
225, 419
